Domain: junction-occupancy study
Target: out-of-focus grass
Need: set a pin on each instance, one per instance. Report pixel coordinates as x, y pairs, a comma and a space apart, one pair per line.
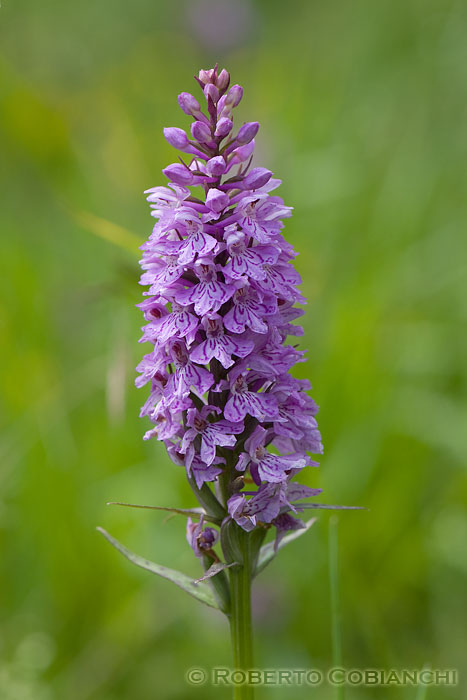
362, 108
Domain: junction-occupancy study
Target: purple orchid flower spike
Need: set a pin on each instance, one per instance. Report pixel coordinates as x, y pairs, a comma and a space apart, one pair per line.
220, 305
223, 295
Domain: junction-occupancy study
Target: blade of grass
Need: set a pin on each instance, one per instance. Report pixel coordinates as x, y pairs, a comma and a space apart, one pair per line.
334, 594
192, 512
109, 231
422, 690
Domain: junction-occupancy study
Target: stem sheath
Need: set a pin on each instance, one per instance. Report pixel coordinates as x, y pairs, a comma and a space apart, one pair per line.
240, 619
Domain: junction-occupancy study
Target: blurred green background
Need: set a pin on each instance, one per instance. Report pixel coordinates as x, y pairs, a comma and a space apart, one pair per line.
363, 111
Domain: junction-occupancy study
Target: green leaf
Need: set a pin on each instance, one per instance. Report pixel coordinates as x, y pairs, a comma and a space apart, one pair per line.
205, 496
267, 553
200, 591
215, 569
220, 585
326, 506
191, 512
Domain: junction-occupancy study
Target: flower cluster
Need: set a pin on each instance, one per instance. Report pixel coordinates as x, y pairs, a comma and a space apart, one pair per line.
220, 306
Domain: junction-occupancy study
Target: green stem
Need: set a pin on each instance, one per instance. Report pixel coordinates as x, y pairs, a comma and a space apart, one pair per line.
224, 481
240, 618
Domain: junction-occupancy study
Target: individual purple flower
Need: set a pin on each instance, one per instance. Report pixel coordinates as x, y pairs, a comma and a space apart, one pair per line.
152, 368
197, 242
166, 421
243, 402
245, 260
296, 411
266, 503
248, 310
285, 523
202, 472
272, 499
164, 201
260, 217
271, 357
201, 539
209, 293
165, 324
285, 313
263, 465
220, 433
186, 374
236, 509
281, 280
160, 273
220, 345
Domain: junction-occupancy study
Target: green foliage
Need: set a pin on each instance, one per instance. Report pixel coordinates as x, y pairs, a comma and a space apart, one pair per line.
198, 590
362, 110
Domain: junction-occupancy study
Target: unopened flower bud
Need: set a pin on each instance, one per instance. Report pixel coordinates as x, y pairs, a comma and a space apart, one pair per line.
223, 80
234, 96
210, 91
205, 76
201, 132
179, 174
216, 200
176, 137
216, 166
238, 484
207, 538
256, 178
222, 110
189, 104
247, 132
201, 539
244, 152
224, 127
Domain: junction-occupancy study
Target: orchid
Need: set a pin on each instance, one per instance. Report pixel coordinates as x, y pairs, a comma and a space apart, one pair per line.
221, 297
